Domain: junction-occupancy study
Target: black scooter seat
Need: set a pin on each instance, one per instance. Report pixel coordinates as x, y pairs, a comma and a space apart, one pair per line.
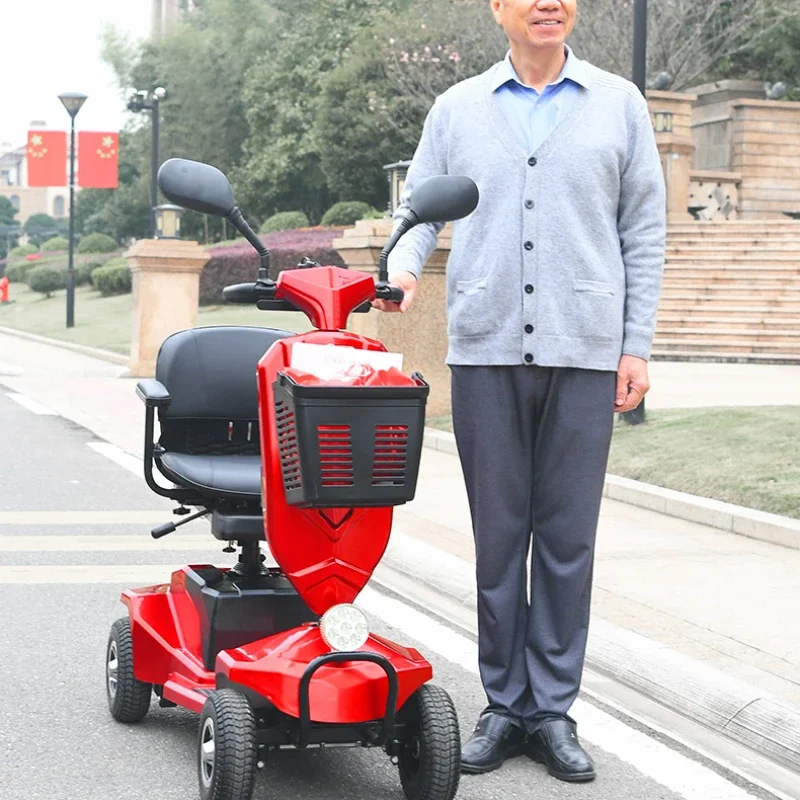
220, 475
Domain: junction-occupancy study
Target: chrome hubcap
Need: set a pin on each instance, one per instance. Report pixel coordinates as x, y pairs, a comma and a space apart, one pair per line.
207, 753
112, 668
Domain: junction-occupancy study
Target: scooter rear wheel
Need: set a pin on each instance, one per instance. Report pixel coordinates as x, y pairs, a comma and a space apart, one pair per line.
227, 747
128, 698
430, 757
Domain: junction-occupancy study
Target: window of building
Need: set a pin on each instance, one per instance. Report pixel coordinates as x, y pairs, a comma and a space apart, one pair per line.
15, 201
58, 207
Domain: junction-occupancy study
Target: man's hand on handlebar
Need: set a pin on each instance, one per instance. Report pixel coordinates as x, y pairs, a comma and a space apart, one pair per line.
406, 281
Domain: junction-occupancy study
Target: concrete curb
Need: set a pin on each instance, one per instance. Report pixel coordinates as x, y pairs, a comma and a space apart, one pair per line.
94, 352
721, 703
742, 521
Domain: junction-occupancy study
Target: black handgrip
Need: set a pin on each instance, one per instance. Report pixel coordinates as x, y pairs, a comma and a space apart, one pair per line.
248, 293
394, 294
162, 530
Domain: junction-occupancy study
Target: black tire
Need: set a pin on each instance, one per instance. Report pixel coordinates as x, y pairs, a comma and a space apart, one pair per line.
227, 769
430, 757
128, 698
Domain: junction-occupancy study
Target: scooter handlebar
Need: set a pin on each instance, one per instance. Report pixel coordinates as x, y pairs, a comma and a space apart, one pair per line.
394, 294
248, 293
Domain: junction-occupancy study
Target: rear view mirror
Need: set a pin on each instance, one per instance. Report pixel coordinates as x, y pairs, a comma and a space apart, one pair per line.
444, 198
196, 186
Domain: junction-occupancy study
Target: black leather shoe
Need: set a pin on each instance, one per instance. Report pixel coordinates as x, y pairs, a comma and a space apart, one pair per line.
556, 745
495, 739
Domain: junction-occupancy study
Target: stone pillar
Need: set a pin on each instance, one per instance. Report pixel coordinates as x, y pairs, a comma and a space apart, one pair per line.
421, 333
166, 279
676, 148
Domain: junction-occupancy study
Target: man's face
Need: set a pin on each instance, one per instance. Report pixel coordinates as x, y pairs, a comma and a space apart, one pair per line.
536, 23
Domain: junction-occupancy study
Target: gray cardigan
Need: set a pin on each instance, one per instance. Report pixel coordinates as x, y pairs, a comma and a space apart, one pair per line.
561, 263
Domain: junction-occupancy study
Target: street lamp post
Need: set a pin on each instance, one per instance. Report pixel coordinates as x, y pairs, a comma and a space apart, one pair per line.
637, 415
640, 44
72, 102
149, 101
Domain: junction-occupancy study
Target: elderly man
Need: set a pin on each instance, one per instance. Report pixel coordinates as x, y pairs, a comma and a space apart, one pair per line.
553, 286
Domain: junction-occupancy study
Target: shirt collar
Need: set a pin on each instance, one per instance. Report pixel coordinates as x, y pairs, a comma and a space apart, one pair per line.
574, 70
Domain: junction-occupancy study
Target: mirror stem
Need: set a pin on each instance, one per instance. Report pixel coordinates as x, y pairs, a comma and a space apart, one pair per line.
236, 217
406, 224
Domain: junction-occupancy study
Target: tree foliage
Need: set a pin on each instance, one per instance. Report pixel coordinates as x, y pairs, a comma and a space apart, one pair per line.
302, 102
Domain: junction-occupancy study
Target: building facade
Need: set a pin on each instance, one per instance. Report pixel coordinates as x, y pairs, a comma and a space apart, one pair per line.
28, 200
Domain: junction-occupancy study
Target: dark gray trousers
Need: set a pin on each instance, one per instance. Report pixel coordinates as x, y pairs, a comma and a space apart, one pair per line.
533, 444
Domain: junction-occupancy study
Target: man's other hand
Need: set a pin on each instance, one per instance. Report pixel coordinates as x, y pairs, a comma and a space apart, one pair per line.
632, 383
407, 281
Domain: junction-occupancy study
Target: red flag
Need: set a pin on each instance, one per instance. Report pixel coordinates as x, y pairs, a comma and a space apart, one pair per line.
98, 158
47, 158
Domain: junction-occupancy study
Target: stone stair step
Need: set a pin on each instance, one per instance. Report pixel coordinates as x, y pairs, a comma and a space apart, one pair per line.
740, 346
707, 356
691, 304
745, 337
775, 260
702, 319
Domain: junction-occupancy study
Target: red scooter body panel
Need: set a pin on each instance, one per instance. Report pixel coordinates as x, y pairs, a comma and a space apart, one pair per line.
327, 554
349, 692
166, 643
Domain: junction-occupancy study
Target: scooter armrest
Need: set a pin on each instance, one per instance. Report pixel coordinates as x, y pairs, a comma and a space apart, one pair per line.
153, 393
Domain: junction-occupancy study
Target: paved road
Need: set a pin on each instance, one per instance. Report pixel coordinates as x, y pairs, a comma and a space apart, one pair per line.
74, 533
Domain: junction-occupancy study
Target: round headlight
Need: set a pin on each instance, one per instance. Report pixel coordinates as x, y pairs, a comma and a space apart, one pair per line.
344, 627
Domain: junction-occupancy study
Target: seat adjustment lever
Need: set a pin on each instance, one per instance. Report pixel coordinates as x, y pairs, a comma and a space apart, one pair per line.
170, 527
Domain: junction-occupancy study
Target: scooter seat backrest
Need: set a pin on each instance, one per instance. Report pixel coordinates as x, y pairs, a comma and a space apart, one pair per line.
210, 373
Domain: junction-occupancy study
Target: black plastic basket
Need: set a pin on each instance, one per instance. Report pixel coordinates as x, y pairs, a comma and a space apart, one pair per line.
349, 446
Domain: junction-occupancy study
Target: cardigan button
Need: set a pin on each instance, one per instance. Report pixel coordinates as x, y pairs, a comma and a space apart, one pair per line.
529, 204
529, 289
528, 357
532, 161
529, 245
529, 329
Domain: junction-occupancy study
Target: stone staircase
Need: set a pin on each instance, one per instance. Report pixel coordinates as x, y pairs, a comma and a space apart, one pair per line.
731, 292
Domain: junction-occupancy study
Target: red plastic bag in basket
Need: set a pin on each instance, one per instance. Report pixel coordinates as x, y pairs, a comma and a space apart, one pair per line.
353, 375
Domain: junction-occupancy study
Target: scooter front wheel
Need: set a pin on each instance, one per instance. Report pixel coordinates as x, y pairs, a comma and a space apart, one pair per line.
227, 747
430, 757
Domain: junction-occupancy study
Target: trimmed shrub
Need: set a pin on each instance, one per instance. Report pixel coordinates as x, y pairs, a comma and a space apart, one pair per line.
83, 272
55, 244
239, 263
97, 243
113, 278
376, 214
46, 279
346, 213
17, 273
285, 221
23, 250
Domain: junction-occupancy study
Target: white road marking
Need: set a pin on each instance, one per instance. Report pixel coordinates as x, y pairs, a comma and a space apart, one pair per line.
133, 574
94, 543
688, 778
119, 456
32, 405
82, 517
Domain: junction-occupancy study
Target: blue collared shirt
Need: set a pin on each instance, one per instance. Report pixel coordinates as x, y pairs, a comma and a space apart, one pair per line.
533, 116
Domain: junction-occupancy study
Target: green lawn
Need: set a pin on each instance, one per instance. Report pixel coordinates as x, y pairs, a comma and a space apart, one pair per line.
105, 322
747, 456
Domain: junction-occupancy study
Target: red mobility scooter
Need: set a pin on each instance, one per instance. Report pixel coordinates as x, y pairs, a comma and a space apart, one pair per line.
274, 658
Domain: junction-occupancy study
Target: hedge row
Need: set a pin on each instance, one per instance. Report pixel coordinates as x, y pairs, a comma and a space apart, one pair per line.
241, 266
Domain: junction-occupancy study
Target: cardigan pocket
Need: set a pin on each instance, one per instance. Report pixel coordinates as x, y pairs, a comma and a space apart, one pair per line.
470, 314
593, 287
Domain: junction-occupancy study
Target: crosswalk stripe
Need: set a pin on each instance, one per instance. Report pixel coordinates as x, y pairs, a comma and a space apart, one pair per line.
83, 517
100, 543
